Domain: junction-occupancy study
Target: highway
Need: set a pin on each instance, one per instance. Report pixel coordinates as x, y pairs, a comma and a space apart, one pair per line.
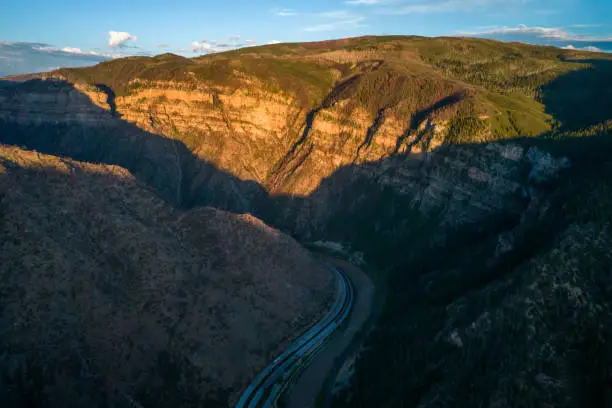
268, 386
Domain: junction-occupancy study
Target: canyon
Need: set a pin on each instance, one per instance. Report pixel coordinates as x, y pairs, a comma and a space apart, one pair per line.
448, 164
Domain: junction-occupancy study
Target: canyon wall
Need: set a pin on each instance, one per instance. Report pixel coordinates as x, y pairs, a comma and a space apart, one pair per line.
345, 170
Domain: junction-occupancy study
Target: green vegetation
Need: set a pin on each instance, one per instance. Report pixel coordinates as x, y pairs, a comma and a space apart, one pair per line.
518, 87
463, 129
117, 74
530, 327
307, 81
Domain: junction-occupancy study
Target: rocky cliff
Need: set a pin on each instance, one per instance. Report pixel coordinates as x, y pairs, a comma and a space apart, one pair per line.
322, 172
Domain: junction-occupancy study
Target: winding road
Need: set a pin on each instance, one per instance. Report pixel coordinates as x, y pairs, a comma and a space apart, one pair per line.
269, 385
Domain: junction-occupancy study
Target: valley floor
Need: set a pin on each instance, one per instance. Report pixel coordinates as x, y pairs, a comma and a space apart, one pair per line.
306, 391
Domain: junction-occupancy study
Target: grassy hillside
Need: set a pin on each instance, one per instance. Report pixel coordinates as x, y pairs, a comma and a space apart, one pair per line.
513, 85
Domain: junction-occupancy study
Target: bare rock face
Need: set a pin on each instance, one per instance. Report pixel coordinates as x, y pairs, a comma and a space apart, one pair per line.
58, 118
145, 303
545, 167
111, 297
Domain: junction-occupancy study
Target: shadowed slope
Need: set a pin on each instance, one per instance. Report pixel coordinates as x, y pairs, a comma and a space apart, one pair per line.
582, 97
112, 297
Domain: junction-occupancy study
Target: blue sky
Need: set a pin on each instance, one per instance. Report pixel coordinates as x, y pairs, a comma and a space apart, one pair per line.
44, 34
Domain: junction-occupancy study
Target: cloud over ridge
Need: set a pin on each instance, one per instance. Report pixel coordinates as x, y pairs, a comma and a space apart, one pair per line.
120, 38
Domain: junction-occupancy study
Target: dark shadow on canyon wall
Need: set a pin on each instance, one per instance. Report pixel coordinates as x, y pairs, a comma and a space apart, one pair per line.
110, 98
582, 97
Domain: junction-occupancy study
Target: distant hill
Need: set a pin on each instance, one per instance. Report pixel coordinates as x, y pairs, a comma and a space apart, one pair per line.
29, 57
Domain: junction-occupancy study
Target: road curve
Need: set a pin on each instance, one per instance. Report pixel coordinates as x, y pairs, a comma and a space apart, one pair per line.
269, 384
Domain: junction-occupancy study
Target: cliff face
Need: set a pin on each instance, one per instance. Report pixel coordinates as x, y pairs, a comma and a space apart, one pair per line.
287, 122
255, 134
319, 172
298, 124
58, 118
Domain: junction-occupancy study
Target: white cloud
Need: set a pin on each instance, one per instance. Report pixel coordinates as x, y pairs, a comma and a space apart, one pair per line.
70, 50
589, 48
208, 47
161, 45
221, 44
554, 36
273, 42
336, 20
543, 32
202, 46
120, 38
283, 12
584, 25
449, 6
551, 33
74, 50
